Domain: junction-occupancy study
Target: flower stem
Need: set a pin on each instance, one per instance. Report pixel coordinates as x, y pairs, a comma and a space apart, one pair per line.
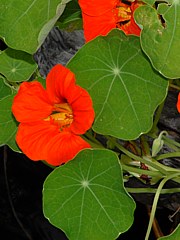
156, 197
152, 190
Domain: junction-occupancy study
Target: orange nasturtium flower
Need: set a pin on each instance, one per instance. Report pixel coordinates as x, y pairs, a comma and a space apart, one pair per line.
52, 119
178, 103
101, 16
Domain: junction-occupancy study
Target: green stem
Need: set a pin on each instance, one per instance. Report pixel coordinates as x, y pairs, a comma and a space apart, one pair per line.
145, 160
168, 155
141, 171
170, 142
156, 197
152, 190
157, 117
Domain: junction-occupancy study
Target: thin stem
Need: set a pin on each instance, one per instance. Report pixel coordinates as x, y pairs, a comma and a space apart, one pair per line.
168, 155
156, 197
174, 86
148, 161
141, 171
152, 190
157, 117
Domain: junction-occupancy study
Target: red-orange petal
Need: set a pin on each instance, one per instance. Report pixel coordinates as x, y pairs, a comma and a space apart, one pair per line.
178, 103
64, 147
31, 102
83, 112
43, 141
58, 81
98, 25
32, 138
97, 7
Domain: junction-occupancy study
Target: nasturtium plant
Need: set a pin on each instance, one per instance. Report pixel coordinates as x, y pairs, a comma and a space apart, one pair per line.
86, 198
121, 82
16, 66
160, 36
28, 21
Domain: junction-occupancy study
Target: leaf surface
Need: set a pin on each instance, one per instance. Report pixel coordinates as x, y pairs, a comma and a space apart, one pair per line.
86, 198
25, 24
160, 38
124, 87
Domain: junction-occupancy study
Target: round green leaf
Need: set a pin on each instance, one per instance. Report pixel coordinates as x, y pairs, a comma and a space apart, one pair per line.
175, 235
86, 198
124, 87
8, 124
25, 24
161, 41
16, 66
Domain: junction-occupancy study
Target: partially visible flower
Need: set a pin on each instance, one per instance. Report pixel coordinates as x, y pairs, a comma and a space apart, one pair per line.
52, 119
101, 16
178, 103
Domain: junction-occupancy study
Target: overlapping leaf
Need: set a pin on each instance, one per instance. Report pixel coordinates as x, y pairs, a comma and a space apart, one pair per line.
124, 87
86, 198
16, 66
4, 89
25, 24
8, 124
173, 236
160, 36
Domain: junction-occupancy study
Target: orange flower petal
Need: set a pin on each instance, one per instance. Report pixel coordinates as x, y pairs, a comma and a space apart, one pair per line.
43, 141
31, 102
32, 138
63, 147
98, 25
58, 81
96, 7
178, 103
83, 112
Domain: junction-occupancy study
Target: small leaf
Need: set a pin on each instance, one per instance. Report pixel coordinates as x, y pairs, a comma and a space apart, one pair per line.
25, 24
86, 198
124, 87
16, 66
173, 236
8, 125
160, 41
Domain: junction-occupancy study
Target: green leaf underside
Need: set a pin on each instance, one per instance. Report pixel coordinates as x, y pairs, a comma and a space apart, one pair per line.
161, 43
173, 236
86, 199
124, 88
16, 66
8, 125
25, 24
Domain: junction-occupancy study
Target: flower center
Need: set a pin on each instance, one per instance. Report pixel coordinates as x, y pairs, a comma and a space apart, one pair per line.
123, 14
62, 115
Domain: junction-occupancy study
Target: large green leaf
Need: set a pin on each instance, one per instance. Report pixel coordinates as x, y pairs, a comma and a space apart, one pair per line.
86, 197
8, 124
124, 87
161, 41
175, 235
25, 24
16, 66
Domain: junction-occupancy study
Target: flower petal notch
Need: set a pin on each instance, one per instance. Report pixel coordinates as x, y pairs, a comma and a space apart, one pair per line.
100, 17
121, 82
52, 119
